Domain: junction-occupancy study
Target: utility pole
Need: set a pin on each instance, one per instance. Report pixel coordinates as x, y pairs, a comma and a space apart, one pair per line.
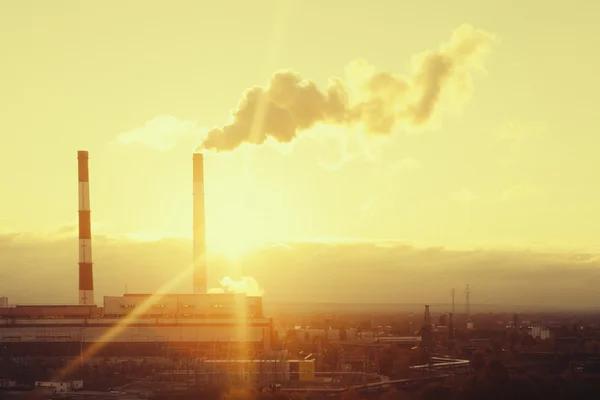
468, 301
451, 320
426, 336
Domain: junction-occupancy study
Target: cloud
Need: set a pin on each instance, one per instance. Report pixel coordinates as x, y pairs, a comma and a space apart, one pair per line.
36, 269
67, 229
163, 133
71, 230
367, 272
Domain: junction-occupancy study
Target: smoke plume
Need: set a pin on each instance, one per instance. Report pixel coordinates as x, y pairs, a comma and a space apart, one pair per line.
246, 285
377, 101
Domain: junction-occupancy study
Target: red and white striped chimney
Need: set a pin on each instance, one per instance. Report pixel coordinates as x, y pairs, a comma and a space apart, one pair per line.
199, 241
86, 275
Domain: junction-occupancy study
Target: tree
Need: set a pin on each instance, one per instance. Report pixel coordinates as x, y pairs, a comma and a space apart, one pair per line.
385, 361
331, 357
435, 391
478, 361
350, 395
401, 367
592, 347
296, 396
497, 344
497, 371
546, 344
394, 394
239, 394
528, 341
513, 339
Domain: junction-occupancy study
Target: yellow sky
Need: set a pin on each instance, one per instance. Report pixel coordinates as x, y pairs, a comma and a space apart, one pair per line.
517, 166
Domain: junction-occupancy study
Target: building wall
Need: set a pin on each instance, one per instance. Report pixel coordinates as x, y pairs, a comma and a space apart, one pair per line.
148, 333
171, 305
226, 304
541, 332
101, 322
50, 311
306, 335
5, 383
306, 370
263, 370
170, 321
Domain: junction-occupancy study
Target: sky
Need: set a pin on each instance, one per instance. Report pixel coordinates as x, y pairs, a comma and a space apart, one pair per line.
507, 159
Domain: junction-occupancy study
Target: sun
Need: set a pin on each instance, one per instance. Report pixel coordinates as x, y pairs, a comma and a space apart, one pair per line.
243, 208
232, 226
235, 230
232, 240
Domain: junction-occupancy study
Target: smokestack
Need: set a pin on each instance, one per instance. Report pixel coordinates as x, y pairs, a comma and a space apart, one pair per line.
86, 276
199, 251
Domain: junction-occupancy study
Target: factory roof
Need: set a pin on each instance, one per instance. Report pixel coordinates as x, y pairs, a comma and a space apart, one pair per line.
184, 294
54, 306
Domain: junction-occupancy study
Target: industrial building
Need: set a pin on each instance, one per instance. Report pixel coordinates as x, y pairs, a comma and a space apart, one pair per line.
138, 325
245, 371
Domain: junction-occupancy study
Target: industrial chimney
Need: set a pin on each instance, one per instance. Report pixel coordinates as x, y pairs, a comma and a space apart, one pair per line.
199, 251
86, 276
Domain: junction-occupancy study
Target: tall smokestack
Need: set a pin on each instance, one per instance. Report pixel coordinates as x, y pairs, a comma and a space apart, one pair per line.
200, 285
86, 276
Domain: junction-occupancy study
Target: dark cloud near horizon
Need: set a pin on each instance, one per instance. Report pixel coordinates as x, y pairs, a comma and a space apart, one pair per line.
34, 268
290, 104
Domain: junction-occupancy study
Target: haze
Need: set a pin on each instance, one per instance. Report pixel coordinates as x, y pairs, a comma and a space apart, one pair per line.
481, 172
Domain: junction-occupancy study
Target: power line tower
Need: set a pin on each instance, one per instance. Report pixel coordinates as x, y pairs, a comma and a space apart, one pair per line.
453, 300
426, 336
468, 302
451, 330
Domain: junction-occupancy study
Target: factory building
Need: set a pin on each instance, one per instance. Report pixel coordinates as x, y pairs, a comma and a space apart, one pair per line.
541, 332
138, 325
3, 302
240, 372
221, 305
279, 371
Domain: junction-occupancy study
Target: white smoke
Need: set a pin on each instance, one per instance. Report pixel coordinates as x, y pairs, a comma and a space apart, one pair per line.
246, 285
379, 101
